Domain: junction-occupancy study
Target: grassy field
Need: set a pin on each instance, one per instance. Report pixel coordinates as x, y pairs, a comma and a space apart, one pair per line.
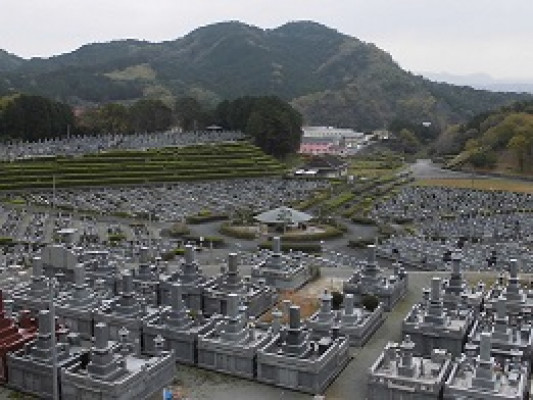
480, 184
374, 168
214, 161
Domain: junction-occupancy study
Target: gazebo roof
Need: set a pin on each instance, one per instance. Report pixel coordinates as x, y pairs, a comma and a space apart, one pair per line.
283, 215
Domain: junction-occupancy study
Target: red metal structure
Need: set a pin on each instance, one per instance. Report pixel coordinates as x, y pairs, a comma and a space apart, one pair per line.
13, 335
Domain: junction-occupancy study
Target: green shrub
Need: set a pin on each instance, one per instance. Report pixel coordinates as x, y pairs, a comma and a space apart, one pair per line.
16, 201
121, 214
217, 241
314, 272
116, 237
234, 232
328, 233
6, 241
199, 219
386, 230
343, 198
363, 220
337, 298
178, 230
402, 220
370, 302
360, 242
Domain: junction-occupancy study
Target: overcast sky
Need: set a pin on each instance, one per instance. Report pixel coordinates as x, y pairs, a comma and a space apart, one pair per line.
454, 36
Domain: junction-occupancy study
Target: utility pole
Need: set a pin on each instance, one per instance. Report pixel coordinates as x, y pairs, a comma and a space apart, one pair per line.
53, 191
55, 390
150, 232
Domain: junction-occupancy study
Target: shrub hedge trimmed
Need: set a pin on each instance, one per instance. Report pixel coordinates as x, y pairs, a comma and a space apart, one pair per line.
200, 162
232, 231
202, 219
217, 241
328, 233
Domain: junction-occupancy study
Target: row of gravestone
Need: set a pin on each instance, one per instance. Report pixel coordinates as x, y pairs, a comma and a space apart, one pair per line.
174, 202
88, 144
432, 255
502, 226
422, 203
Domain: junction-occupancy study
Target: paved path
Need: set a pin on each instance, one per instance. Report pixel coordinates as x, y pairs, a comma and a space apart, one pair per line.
425, 169
350, 384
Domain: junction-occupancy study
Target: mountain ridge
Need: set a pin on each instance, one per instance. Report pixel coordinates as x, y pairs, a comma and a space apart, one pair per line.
330, 77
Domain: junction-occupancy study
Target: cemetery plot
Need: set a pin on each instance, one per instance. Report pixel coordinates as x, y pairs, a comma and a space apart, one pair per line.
175, 202
200, 162
81, 145
489, 226
480, 184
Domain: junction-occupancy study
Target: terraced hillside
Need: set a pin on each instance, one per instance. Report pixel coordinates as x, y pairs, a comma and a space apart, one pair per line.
217, 161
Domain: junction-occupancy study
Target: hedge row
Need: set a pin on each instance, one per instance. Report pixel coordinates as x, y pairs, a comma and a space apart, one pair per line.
125, 171
232, 231
313, 200
92, 180
338, 201
130, 181
202, 219
361, 242
328, 233
363, 220
113, 168
129, 173
206, 241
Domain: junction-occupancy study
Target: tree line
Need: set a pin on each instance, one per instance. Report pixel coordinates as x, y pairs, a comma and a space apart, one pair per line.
505, 134
270, 122
29, 117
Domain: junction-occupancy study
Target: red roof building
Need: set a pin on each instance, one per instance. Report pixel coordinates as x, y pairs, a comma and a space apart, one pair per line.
316, 148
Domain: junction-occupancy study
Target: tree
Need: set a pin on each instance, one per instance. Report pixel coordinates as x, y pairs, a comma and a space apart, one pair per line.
191, 115
150, 116
483, 158
472, 145
519, 144
336, 300
273, 124
370, 302
34, 117
408, 141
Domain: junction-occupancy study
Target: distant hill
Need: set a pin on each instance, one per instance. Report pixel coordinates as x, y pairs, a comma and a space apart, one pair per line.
499, 141
330, 77
482, 81
9, 62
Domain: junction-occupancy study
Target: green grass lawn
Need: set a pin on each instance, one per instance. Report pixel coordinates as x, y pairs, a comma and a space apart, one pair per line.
480, 184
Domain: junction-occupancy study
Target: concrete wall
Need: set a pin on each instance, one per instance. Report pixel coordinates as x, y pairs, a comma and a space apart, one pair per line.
229, 359
137, 385
306, 375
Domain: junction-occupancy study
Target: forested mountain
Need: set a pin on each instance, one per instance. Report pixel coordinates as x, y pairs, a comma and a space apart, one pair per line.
329, 77
9, 62
501, 139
